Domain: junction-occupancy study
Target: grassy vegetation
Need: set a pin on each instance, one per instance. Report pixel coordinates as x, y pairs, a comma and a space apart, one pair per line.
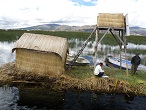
136, 39
137, 81
10, 35
136, 51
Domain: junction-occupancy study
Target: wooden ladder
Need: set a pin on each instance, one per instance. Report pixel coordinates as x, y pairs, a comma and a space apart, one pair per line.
81, 50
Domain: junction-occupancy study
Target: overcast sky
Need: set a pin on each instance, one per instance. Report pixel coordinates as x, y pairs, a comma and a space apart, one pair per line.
24, 13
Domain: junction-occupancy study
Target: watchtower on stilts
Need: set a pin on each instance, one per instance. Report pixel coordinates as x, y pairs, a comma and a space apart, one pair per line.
117, 25
114, 23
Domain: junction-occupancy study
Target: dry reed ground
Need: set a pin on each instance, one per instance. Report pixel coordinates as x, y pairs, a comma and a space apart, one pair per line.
9, 74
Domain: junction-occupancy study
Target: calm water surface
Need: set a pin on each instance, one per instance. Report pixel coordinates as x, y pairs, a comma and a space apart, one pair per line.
41, 99
6, 54
12, 98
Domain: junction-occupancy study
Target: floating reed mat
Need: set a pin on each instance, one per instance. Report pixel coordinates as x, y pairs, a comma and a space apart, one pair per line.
65, 82
106, 85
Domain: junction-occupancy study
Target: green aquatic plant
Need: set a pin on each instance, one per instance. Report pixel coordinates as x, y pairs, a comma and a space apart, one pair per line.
108, 39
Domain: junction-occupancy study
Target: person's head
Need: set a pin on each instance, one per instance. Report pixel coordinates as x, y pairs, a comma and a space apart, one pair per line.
137, 54
101, 64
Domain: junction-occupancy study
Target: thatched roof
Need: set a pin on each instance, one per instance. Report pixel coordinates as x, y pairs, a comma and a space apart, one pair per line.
43, 43
115, 20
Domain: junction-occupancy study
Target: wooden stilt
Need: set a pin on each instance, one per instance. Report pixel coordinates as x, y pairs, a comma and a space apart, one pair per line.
120, 51
125, 50
96, 47
120, 57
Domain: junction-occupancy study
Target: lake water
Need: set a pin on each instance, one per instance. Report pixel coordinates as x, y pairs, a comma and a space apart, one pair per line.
12, 98
6, 54
41, 99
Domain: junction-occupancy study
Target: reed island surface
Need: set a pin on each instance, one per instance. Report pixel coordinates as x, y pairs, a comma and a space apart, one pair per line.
77, 78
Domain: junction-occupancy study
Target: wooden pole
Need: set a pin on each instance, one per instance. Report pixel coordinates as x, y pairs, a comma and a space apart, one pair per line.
120, 52
118, 36
96, 47
125, 49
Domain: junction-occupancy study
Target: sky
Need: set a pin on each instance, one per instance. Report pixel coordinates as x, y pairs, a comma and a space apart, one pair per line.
25, 13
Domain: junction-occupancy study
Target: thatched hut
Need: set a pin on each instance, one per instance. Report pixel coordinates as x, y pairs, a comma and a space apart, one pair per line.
41, 53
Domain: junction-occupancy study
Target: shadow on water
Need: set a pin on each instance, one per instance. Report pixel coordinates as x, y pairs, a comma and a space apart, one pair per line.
41, 98
36, 98
92, 101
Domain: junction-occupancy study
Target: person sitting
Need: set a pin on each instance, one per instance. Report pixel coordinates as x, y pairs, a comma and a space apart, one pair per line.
98, 70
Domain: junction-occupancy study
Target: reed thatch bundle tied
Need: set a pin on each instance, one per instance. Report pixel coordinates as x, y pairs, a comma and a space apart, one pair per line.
41, 53
115, 20
95, 84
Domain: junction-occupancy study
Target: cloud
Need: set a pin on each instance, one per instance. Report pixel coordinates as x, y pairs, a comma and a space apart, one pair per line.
24, 13
134, 9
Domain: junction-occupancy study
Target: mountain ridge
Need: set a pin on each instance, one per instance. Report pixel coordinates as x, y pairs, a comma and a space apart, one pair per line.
135, 30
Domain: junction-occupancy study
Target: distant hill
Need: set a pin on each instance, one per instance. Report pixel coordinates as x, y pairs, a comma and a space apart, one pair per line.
138, 31
87, 28
57, 27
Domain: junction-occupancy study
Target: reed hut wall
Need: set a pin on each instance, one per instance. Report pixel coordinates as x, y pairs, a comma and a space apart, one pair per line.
115, 20
41, 53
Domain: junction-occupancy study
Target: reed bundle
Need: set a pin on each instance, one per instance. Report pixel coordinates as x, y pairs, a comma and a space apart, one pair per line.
95, 84
40, 62
111, 20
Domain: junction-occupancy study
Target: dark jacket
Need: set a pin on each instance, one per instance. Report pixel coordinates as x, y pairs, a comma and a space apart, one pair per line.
135, 60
